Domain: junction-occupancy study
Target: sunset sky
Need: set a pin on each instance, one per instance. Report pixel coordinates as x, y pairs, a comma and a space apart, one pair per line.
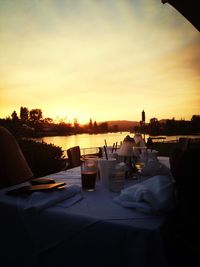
99, 59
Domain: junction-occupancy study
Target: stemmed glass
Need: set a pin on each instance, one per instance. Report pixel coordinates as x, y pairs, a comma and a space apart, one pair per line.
139, 164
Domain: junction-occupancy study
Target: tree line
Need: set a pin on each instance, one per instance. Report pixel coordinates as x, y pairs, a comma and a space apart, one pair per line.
170, 126
30, 123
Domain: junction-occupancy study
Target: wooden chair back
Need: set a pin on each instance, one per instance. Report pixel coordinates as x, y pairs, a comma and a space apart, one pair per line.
184, 143
74, 156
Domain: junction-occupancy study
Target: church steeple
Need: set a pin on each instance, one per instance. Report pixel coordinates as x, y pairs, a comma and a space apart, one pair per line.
143, 116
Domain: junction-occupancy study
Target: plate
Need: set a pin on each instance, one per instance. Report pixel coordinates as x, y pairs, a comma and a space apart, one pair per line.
32, 188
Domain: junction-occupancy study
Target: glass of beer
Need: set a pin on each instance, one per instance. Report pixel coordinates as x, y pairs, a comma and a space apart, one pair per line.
89, 169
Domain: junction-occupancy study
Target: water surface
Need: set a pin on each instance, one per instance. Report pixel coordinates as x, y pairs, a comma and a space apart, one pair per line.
86, 141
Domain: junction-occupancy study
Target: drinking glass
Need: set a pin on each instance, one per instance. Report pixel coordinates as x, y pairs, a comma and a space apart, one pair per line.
139, 164
89, 169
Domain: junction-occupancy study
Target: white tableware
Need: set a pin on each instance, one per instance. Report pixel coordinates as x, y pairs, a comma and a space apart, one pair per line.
105, 168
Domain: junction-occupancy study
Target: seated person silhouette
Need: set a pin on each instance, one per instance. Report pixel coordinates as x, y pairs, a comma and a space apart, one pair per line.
182, 231
149, 143
14, 168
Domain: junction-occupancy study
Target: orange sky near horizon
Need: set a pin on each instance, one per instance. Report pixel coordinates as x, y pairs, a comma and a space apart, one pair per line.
105, 60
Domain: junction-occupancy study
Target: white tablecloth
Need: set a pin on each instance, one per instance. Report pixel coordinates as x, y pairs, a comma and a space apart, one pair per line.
94, 231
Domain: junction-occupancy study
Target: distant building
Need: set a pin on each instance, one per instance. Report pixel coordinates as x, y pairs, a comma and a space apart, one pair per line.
143, 116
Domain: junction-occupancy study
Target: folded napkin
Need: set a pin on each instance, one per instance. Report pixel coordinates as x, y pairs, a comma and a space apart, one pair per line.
64, 197
153, 167
154, 195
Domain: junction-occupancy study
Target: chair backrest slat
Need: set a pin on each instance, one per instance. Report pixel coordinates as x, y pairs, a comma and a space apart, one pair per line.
74, 156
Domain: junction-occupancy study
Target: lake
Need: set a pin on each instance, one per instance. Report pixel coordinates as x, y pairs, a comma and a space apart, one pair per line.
89, 142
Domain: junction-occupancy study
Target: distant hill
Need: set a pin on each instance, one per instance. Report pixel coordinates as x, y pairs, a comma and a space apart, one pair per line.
122, 124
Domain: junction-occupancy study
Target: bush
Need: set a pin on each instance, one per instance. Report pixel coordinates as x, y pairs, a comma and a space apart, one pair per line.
42, 158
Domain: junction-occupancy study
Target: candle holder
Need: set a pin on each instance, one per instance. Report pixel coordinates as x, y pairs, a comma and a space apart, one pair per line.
126, 151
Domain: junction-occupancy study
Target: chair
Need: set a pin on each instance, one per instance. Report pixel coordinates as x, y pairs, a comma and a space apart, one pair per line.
184, 143
100, 153
176, 157
74, 156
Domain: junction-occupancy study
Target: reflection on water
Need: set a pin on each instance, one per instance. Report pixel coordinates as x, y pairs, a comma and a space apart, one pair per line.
84, 140
94, 140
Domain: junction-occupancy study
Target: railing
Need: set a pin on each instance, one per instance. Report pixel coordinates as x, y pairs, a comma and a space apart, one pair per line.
96, 150
85, 151
89, 150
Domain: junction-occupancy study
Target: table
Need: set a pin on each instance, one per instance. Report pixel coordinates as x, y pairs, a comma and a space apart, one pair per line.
94, 231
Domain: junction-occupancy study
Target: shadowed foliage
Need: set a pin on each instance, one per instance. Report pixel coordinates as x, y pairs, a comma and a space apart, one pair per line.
42, 158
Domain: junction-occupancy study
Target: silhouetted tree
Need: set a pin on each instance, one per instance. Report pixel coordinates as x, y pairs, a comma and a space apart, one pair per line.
35, 115
63, 128
90, 124
170, 126
24, 114
76, 125
195, 118
48, 120
154, 126
103, 127
195, 123
95, 127
14, 116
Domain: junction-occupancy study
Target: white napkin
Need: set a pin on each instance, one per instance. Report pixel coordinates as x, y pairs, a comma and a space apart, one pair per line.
153, 167
64, 197
151, 196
